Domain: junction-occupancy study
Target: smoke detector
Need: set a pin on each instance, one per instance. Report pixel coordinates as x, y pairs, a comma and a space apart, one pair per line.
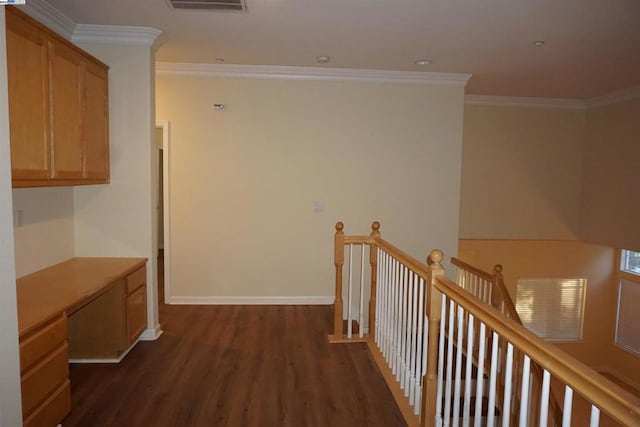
216, 5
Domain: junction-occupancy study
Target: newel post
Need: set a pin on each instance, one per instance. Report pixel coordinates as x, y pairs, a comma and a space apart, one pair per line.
432, 303
498, 285
373, 260
339, 262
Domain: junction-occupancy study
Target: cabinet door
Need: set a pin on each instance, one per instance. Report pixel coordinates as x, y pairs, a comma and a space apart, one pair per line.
136, 313
67, 72
27, 61
95, 123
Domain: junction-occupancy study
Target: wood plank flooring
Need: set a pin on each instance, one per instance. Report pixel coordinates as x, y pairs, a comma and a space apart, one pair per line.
236, 366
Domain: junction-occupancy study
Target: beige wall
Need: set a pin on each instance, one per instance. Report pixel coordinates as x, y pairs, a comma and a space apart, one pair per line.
611, 203
553, 258
244, 180
521, 172
45, 236
10, 406
118, 219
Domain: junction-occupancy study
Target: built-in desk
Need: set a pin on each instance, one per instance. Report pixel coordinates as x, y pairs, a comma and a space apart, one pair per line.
87, 309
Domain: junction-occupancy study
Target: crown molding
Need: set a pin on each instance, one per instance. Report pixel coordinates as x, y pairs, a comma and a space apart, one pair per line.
43, 12
118, 34
311, 73
528, 102
614, 97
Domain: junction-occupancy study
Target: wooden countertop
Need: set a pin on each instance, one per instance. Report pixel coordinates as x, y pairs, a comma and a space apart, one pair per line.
67, 286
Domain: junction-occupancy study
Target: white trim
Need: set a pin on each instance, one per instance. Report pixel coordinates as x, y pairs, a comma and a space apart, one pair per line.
166, 203
320, 300
311, 73
117, 34
527, 102
114, 360
614, 97
43, 12
151, 334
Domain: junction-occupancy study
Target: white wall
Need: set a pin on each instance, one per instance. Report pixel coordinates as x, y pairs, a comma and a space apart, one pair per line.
521, 172
118, 219
45, 236
10, 406
244, 180
611, 203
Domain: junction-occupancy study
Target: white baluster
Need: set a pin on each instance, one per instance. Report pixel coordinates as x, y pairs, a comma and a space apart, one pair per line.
387, 332
449, 370
524, 398
492, 380
420, 346
443, 310
402, 335
392, 320
506, 404
595, 417
567, 407
396, 317
361, 317
458, 374
385, 292
544, 403
466, 408
490, 284
350, 290
384, 304
480, 377
409, 336
425, 348
376, 331
414, 342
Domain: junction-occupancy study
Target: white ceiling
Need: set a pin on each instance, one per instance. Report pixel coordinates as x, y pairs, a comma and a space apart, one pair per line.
592, 46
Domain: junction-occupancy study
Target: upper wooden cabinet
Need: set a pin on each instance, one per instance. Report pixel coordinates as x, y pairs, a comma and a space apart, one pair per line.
58, 108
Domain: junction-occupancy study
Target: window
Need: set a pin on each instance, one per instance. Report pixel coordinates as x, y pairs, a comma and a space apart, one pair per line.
552, 308
630, 262
628, 324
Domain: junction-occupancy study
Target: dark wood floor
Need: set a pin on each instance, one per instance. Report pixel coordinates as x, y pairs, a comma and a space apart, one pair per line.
236, 366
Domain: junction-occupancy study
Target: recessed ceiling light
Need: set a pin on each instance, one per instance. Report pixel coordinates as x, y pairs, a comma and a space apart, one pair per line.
423, 62
538, 43
219, 60
322, 59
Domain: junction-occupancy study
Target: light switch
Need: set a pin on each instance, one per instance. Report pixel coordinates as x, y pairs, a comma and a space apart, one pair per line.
318, 206
18, 217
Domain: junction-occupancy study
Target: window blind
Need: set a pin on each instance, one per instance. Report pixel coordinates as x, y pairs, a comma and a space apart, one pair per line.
628, 319
552, 308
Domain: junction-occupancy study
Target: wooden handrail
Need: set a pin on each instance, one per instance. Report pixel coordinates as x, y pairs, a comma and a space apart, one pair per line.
419, 268
475, 270
616, 402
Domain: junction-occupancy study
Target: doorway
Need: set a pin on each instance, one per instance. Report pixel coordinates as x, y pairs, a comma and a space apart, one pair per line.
163, 229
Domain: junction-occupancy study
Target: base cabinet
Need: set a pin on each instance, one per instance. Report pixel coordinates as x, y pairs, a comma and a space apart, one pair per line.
111, 324
44, 356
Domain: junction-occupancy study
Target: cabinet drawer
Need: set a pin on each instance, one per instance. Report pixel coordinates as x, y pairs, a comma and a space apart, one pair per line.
44, 378
136, 279
53, 410
42, 342
136, 313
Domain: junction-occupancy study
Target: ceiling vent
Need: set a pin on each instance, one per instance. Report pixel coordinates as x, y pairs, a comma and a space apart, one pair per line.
223, 5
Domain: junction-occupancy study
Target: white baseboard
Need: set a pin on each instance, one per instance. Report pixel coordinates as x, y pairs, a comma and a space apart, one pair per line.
151, 334
114, 360
321, 300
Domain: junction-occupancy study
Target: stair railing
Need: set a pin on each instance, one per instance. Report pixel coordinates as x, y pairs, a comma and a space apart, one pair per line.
490, 288
431, 339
